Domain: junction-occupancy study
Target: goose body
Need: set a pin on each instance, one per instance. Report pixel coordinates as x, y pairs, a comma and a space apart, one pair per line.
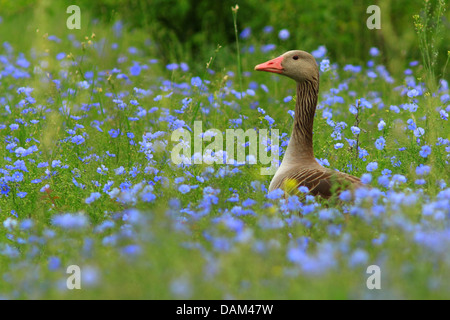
299, 166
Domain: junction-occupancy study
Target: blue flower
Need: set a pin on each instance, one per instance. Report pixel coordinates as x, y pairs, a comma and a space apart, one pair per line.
345, 195
326, 214
275, 194
60, 56
355, 130
135, 70
362, 153
372, 166
22, 62
352, 68
358, 258
22, 194
148, 197
181, 288
196, 81
425, 151
70, 221
119, 171
323, 162
320, 52
184, 188
78, 140
10, 251
132, 250
248, 202
268, 47
267, 29
114, 133
366, 178
372, 74
20, 165
246, 33
89, 74
325, 65
420, 182
394, 109
422, 170
184, 66
26, 224
413, 93
83, 85
418, 132
54, 38
89, 276
54, 263
383, 181
94, 196
284, 34
17, 176
380, 143
269, 119
398, 178
10, 223
56, 163
286, 99
411, 124
294, 203
412, 107
374, 52
172, 66
303, 189
179, 180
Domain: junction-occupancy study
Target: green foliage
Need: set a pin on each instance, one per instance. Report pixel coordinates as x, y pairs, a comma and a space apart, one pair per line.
9, 7
194, 28
429, 30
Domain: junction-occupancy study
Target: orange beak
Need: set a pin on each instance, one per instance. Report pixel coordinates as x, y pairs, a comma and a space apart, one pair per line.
273, 65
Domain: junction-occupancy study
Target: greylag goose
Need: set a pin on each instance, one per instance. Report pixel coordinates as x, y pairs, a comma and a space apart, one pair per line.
299, 166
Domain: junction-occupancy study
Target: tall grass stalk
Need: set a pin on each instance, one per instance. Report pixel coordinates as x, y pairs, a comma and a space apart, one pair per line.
205, 74
235, 10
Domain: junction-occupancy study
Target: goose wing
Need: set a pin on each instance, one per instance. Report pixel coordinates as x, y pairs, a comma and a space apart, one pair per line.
319, 181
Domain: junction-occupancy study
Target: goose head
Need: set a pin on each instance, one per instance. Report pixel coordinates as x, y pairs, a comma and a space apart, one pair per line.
296, 64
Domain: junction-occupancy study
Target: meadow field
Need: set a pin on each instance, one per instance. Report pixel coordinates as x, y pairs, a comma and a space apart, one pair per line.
87, 177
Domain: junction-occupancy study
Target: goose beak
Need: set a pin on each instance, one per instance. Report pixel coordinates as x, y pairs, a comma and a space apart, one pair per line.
273, 65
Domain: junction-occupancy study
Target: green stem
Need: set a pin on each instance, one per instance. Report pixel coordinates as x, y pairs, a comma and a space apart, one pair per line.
234, 10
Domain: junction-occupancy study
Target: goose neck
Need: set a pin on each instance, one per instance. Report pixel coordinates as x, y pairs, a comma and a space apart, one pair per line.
301, 142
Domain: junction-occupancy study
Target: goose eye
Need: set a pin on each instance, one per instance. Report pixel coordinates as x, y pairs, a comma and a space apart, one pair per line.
295, 57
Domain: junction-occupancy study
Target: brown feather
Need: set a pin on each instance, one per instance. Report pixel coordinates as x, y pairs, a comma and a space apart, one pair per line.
319, 181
